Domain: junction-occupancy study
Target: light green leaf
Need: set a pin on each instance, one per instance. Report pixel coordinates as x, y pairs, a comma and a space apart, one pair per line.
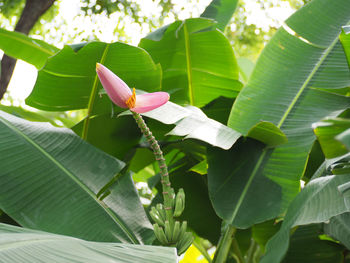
339, 228
344, 137
246, 67
191, 122
327, 132
198, 62
25, 245
345, 40
320, 200
33, 51
50, 178
285, 89
221, 11
268, 133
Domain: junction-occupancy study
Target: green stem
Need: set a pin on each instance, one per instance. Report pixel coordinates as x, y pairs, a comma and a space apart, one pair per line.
199, 246
237, 251
224, 245
168, 192
251, 251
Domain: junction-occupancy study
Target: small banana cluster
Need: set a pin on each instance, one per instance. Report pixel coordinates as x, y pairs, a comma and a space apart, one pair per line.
168, 231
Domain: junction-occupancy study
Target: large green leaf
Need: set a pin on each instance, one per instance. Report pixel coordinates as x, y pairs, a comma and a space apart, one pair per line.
25, 245
221, 11
50, 178
198, 62
339, 228
320, 200
229, 173
285, 89
69, 80
307, 247
33, 51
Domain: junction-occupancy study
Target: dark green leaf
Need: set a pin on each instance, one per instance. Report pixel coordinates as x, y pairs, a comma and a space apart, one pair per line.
117, 136
317, 202
285, 89
307, 247
338, 227
30, 246
51, 172
264, 231
237, 189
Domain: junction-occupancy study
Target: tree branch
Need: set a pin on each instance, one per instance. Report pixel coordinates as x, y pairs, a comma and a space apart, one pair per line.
31, 13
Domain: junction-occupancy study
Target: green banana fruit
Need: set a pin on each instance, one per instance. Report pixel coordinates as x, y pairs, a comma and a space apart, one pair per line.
156, 217
160, 235
179, 202
161, 212
176, 232
184, 243
167, 230
182, 230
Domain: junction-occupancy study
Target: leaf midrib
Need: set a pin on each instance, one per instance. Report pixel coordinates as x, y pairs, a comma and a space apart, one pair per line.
188, 64
74, 179
306, 82
281, 122
92, 97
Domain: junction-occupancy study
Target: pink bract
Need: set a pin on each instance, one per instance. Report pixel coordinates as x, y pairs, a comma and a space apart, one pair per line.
119, 92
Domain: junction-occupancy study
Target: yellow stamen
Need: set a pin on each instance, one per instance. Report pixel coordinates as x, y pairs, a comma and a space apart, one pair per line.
131, 100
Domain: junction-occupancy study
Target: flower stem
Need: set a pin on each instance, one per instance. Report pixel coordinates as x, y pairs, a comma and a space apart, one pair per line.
224, 245
168, 192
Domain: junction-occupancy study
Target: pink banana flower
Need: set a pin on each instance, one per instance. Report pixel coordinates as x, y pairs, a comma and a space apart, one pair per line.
121, 95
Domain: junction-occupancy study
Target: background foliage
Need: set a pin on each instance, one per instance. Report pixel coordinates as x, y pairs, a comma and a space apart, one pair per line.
261, 149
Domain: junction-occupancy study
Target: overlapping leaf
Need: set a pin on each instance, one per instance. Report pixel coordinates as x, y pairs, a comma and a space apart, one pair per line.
50, 178
25, 245
221, 11
69, 81
33, 51
338, 227
320, 200
306, 246
285, 89
198, 62
330, 134
191, 122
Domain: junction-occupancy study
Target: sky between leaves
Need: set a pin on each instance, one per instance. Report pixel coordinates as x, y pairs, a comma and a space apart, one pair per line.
70, 26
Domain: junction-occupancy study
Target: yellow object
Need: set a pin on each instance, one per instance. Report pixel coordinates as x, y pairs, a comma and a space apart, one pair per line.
193, 255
